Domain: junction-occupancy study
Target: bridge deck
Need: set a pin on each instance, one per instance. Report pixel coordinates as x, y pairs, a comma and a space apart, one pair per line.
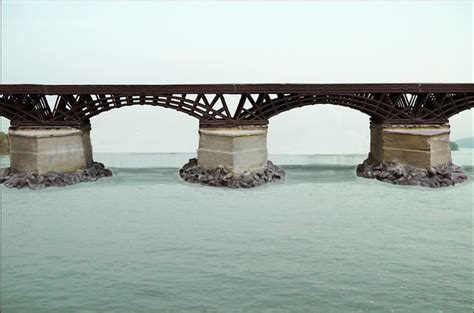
216, 104
233, 88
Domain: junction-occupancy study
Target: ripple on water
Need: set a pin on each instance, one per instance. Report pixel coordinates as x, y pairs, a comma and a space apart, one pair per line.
324, 240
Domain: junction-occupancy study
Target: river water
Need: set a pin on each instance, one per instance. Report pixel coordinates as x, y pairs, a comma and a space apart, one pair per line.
322, 241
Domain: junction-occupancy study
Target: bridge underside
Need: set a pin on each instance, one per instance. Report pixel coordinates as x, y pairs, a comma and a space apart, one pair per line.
409, 124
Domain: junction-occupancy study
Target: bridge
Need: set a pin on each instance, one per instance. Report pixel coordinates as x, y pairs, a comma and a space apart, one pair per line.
409, 122
384, 103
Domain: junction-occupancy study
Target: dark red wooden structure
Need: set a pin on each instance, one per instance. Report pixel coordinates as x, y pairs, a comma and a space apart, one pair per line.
234, 104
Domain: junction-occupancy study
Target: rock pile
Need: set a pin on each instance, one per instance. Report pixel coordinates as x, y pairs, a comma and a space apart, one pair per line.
222, 177
447, 175
40, 181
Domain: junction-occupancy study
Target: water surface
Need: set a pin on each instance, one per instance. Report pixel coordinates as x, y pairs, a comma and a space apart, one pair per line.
322, 241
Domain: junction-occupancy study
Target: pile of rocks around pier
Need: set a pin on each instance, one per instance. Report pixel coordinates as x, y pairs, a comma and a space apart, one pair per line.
446, 175
52, 179
222, 177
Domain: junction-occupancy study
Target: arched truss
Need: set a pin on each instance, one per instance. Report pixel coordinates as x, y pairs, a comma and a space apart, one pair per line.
231, 106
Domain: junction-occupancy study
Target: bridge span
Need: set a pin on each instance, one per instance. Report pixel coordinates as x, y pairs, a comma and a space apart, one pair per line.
409, 122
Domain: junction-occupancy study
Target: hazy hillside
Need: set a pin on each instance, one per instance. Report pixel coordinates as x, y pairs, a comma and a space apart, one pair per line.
465, 142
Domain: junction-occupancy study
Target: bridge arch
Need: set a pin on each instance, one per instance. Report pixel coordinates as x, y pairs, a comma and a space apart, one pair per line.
380, 107
78, 109
365, 104
83, 108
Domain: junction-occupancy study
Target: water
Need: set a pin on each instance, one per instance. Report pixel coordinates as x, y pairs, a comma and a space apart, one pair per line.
323, 241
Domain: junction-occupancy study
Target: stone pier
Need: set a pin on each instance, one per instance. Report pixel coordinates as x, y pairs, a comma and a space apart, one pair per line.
411, 154
50, 156
232, 157
42, 150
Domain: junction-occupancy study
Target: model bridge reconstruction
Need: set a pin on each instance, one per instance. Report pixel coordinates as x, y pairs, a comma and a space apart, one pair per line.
409, 127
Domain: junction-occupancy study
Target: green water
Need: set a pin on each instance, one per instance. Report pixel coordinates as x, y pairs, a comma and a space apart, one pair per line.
322, 241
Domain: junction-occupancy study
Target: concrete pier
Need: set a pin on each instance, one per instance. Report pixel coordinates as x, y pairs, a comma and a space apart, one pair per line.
411, 154
238, 149
232, 157
420, 146
41, 150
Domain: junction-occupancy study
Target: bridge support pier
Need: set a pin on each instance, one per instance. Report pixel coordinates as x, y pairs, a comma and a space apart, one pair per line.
411, 154
233, 156
50, 156
41, 150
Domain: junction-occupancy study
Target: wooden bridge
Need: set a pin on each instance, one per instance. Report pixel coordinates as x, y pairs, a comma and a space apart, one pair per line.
409, 125
257, 103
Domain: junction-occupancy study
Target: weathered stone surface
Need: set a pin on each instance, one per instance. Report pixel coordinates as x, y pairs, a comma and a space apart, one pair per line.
223, 177
445, 175
52, 179
241, 148
416, 145
42, 150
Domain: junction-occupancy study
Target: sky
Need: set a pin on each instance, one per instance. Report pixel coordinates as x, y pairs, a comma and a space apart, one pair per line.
106, 42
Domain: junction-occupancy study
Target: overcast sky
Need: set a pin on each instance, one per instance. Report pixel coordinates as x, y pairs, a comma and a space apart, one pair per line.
67, 42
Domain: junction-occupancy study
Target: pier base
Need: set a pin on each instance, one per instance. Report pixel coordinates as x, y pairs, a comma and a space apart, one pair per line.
49, 149
50, 156
232, 157
411, 155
